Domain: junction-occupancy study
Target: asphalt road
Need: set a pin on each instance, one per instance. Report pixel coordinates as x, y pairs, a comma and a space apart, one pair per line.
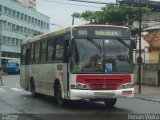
19, 104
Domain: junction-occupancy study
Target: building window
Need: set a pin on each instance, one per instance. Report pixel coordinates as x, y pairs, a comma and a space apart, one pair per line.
13, 41
29, 19
36, 22
32, 20
25, 30
9, 26
14, 13
47, 26
9, 12
21, 41
4, 39
18, 15
21, 29
5, 10
17, 41
21, 16
8, 40
4, 24
0, 8
25, 18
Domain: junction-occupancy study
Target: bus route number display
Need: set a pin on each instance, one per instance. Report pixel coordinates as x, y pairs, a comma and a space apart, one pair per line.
105, 33
80, 32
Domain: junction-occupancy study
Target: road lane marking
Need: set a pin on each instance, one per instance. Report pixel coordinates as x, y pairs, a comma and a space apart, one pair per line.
2, 89
16, 89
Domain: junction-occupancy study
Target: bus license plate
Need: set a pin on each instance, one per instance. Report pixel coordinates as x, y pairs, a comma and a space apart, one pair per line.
103, 95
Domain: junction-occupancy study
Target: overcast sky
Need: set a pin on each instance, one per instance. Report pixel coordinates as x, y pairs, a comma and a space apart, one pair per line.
61, 13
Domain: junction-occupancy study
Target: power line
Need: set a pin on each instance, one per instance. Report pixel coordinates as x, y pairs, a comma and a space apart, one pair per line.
71, 4
95, 2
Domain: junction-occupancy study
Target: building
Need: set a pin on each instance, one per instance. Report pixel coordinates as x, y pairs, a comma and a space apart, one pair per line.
18, 23
28, 3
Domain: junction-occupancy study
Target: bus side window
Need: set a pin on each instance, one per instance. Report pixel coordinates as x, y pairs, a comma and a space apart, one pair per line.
43, 51
37, 52
32, 53
59, 49
23, 54
51, 50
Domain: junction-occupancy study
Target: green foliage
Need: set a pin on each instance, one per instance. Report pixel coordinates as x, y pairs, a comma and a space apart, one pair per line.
114, 14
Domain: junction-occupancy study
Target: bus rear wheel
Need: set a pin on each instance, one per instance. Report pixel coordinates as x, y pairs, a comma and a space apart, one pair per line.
33, 92
59, 98
110, 102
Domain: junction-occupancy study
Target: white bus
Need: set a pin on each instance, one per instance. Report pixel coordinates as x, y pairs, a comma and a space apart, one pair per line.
80, 62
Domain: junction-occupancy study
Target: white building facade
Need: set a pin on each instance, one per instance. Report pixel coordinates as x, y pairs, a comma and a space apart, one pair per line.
18, 23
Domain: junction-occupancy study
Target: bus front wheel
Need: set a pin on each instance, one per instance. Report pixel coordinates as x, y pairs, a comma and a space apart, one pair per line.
110, 102
33, 92
59, 98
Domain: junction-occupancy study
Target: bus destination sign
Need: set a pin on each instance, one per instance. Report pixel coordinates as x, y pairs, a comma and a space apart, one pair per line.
96, 32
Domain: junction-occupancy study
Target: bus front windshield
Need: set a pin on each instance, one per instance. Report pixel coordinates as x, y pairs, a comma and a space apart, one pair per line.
101, 56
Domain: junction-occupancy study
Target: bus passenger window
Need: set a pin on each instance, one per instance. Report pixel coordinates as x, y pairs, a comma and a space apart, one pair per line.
51, 45
37, 50
43, 51
59, 49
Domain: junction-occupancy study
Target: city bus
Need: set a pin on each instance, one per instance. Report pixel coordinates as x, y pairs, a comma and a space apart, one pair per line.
84, 62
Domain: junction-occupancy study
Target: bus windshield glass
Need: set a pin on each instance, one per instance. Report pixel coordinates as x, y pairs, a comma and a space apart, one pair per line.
101, 56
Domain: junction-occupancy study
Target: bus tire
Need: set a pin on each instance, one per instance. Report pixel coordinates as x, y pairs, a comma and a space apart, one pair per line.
110, 102
59, 98
33, 91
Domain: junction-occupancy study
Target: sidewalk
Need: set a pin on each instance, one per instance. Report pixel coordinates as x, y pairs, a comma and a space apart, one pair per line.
149, 93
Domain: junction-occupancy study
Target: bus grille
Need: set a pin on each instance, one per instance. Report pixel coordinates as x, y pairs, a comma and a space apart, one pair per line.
106, 84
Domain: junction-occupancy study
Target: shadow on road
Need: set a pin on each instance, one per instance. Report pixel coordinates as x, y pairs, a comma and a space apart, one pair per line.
78, 105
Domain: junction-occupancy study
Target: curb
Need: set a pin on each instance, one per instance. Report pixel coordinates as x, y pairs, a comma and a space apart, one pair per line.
147, 99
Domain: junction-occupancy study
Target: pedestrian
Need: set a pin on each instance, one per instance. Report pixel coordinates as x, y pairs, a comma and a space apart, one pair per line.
1, 74
1, 83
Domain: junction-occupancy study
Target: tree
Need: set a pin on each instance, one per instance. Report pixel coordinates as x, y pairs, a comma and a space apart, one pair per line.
114, 14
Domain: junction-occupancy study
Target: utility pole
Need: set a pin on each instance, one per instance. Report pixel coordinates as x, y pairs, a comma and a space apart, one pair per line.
1, 28
116, 2
73, 21
139, 59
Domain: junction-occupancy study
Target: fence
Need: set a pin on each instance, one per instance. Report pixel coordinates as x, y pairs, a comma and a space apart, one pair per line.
150, 74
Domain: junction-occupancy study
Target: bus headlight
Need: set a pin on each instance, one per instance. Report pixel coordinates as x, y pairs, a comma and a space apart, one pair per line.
82, 86
127, 85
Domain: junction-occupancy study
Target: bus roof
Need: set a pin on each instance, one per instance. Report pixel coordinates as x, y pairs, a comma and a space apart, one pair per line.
100, 25
47, 35
65, 30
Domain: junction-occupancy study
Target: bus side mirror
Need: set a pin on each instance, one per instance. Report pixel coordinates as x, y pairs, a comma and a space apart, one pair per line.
68, 54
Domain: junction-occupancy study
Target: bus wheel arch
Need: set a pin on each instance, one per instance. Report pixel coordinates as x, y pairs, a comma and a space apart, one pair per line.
32, 87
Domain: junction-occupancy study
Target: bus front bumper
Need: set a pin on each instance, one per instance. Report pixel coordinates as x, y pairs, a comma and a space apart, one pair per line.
77, 94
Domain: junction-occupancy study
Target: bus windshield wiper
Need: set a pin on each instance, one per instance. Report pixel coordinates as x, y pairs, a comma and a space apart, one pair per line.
123, 42
94, 43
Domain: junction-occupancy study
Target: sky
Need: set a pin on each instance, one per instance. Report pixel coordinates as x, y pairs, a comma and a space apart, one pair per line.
60, 11
60, 14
